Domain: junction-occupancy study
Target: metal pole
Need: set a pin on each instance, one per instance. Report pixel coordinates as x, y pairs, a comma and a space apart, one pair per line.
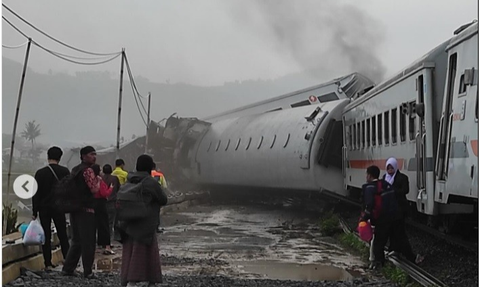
17, 111
120, 104
148, 121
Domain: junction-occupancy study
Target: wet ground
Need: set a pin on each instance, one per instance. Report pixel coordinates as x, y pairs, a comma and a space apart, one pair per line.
255, 241
237, 244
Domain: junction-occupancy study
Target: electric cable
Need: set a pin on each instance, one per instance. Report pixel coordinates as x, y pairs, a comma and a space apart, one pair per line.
52, 38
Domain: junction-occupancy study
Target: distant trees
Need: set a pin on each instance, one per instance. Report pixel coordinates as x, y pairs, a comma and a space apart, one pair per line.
30, 133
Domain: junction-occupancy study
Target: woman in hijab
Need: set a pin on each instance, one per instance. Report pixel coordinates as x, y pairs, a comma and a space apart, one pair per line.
140, 255
400, 184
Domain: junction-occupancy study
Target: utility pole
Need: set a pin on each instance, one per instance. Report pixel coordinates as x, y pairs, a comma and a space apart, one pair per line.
12, 145
148, 121
120, 104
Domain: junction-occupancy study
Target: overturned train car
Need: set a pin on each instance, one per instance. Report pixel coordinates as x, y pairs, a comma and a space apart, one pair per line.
292, 142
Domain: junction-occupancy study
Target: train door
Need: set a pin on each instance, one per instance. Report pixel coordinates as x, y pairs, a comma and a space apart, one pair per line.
424, 139
446, 122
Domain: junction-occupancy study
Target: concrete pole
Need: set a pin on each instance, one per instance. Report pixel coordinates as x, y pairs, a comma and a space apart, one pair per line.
12, 145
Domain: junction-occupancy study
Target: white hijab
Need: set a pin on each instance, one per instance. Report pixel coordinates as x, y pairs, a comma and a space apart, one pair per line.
393, 162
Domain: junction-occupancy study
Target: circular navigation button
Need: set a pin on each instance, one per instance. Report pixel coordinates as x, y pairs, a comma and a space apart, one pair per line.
25, 186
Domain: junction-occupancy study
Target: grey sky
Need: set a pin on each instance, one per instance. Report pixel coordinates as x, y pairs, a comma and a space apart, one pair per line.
211, 42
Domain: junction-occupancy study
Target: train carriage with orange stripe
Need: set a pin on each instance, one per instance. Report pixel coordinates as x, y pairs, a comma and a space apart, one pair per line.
427, 117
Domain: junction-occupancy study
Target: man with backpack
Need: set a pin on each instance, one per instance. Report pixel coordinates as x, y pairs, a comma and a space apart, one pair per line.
85, 185
381, 208
43, 204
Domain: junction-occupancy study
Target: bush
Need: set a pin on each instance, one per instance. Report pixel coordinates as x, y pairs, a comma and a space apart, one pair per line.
10, 216
329, 224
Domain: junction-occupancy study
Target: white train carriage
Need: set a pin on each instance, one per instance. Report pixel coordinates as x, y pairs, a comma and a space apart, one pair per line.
294, 149
427, 117
457, 157
345, 87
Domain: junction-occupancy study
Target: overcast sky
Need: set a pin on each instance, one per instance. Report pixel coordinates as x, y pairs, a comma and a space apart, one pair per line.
212, 42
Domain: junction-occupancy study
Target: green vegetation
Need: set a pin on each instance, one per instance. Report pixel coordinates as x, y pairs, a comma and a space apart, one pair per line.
353, 243
10, 216
329, 224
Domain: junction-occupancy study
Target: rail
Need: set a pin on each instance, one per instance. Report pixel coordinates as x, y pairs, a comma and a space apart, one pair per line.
415, 272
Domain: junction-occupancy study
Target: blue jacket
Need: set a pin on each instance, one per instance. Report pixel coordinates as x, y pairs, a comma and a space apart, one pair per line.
380, 205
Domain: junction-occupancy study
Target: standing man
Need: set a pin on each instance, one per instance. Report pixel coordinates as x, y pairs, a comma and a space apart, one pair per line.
158, 176
381, 209
43, 204
119, 171
111, 180
83, 222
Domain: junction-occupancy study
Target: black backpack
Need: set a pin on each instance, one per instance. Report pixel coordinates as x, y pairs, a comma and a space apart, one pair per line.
130, 204
68, 194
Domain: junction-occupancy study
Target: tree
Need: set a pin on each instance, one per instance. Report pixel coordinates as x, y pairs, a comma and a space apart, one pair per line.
30, 133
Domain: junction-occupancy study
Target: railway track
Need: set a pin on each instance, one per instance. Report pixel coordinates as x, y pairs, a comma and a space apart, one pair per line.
415, 272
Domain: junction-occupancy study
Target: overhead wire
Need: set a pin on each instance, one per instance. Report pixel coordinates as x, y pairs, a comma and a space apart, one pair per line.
132, 85
132, 81
15, 47
61, 55
54, 39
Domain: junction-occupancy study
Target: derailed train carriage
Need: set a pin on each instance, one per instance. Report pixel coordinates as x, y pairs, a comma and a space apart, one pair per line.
295, 146
427, 117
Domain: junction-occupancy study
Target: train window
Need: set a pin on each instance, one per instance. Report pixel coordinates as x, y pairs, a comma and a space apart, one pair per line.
403, 126
358, 136
228, 143
328, 97
420, 89
209, 146
374, 128
238, 143
260, 142
386, 126
273, 142
476, 108
248, 144
411, 122
463, 88
300, 104
218, 145
368, 132
380, 137
394, 126
350, 137
286, 142
363, 134
277, 109
354, 136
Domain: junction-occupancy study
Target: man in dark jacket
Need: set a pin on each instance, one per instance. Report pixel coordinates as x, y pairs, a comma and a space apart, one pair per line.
382, 211
83, 222
43, 204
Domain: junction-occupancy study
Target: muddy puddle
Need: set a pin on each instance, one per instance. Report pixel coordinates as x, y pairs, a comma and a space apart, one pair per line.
253, 242
293, 271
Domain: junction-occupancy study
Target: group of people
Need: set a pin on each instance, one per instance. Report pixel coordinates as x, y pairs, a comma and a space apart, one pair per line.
96, 222
385, 206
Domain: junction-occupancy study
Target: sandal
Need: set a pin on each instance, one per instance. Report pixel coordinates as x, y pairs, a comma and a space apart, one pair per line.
108, 252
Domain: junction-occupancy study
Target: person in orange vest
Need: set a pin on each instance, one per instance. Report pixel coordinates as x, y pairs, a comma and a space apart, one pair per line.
158, 175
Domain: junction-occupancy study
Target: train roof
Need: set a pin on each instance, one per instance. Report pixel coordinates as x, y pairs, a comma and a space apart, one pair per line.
428, 60
354, 80
463, 33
